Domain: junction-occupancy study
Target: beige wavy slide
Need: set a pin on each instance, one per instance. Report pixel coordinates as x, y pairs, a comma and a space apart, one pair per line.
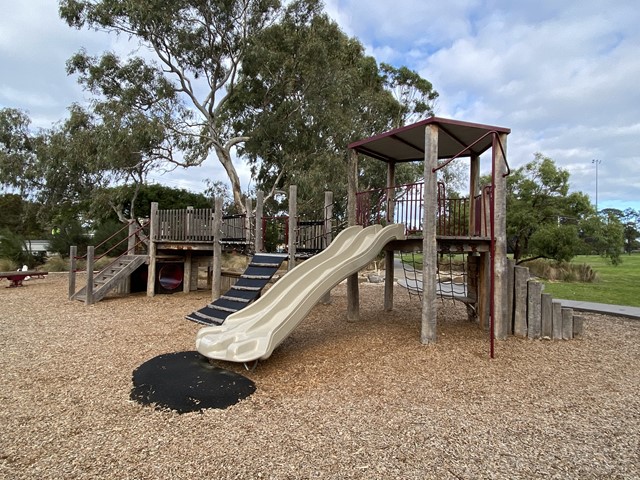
255, 331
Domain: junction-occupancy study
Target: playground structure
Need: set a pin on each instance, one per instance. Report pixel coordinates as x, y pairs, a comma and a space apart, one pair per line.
165, 252
434, 224
244, 326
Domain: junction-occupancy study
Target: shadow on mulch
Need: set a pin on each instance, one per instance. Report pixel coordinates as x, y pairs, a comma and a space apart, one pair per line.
187, 382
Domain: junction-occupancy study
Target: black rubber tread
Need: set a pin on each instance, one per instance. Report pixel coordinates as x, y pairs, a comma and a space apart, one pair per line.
246, 289
247, 295
208, 316
250, 282
231, 298
227, 305
259, 271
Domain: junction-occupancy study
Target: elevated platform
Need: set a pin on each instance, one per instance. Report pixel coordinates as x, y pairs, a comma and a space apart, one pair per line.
445, 244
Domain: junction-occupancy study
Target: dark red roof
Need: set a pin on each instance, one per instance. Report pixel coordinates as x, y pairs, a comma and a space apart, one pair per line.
406, 144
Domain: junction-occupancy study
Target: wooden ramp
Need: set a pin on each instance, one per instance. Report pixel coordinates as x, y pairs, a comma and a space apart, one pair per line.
248, 288
110, 276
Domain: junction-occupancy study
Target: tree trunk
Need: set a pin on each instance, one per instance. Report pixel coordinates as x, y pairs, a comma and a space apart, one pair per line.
224, 156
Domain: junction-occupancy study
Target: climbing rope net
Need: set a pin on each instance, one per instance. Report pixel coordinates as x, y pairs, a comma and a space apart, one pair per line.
456, 280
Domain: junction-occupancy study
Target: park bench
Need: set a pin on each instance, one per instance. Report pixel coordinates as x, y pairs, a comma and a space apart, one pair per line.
16, 278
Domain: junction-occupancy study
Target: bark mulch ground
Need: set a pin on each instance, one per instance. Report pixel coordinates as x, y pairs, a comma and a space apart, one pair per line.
336, 399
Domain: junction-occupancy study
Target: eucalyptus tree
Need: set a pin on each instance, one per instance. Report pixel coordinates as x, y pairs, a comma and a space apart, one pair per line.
415, 95
17, 150
197, 46
305, 92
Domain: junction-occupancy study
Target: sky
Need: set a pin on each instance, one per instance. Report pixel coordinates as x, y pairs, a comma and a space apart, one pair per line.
562, 75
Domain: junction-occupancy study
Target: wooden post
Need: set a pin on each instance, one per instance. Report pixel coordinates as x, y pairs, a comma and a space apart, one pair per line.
353, 292
556, 321
88, 299
328, 235
186, 277
429, 242
521, 277
388, 254
217, 249
131, 250
474, 190
293, 225
473, 265
567, 323
153, 236
390, 193
188, 224
472, 285
259, 244
131, 239
73, 253
546, 314
484, 290
500, 238
578, 326
509, 303
388, 279
247, 221
534, 308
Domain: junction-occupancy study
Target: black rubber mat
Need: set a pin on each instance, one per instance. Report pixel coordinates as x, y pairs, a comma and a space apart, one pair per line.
187, 382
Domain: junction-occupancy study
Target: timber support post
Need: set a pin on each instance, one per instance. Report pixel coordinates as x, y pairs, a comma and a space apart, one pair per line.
259, 244
293, 225
216, 274
429, 243
534, 309
328, 235
499, 235
88, 299
248, 205
353, 292
388, 254
521, 277
153, 236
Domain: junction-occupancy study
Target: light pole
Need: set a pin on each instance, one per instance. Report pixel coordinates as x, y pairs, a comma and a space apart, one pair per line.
596, 163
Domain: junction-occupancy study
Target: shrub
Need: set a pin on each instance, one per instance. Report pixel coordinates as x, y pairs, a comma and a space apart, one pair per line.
12, 247
7, 265
55, 263
563, 271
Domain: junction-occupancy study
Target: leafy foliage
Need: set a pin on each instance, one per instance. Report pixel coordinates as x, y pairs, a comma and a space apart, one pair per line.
415, 95
20, 216
199, 46
545, 220
305, 92
13, 247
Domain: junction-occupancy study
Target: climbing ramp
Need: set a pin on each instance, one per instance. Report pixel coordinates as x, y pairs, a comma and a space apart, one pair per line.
247, 289
253, 333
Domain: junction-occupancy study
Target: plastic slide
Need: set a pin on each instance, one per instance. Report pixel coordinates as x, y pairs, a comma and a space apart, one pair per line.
255, 331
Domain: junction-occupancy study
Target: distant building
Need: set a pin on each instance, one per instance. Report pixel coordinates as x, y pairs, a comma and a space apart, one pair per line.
38, 246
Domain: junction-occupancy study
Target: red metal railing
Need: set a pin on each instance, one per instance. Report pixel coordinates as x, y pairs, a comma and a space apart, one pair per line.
405, 204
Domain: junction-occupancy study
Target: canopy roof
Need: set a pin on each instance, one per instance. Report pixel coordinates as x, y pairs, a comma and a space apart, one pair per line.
406, 144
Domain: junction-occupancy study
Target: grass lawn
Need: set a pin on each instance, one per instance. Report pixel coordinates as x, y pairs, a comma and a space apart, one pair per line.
617, 285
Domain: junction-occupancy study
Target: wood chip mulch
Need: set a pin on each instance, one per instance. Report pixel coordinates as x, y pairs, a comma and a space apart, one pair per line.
336, 400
